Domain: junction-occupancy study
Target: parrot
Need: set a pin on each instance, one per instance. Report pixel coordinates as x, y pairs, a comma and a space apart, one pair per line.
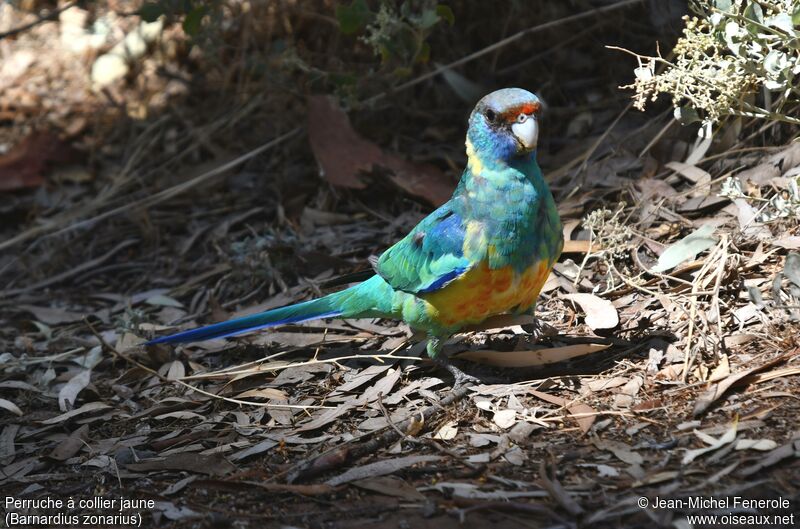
486, 251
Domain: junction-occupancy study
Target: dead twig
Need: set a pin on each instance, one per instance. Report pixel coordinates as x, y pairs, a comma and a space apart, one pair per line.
427, 442
83, 267
52, 15
343, 454
113, 350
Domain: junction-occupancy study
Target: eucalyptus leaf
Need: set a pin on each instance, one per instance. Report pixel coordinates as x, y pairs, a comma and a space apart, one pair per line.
686, 115
732, 31
776, 61
753, 11
428, 19
163, 301
705, 135
723, 5
686, 249
193, 21
781, 21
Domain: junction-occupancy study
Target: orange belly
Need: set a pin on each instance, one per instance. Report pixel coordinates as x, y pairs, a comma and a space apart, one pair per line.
483, 292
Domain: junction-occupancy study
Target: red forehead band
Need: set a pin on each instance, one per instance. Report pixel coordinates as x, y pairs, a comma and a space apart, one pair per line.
526, 108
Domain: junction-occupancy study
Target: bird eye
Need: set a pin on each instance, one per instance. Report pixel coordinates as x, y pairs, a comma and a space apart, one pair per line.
491, 115
521, 118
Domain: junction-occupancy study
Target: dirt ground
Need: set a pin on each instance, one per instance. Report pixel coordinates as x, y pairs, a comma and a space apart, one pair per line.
260, 162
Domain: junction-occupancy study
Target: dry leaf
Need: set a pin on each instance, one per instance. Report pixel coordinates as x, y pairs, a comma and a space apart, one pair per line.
686, 248
448, 431
161, 300
755, 444
390, 486
361, 377
722, 370
776, 373
7, 448
381, 387
343, 154
480, 459
790, 242
178, 485
471, 491
68, 393
626, 395
379, 468
622, 451
692, 172
584, 414
86, 408
10, 406
26, 163
600, 313
264, 393
213, 465
52, 315
791, 449
658, 477
515, 456
417, 385
176, 370
604, 471
71, 445
718, 390
325, 417
714, 443
505, 418
606, 383
101, 462
182, 415
530, 357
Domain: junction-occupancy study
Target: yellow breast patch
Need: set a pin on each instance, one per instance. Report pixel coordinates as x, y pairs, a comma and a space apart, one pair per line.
483, 292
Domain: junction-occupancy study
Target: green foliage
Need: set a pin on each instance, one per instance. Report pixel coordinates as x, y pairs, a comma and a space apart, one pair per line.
730, 51
193, 19
353, 18
397, 34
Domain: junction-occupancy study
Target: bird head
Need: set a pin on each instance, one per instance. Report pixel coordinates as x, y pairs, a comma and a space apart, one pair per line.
504, 125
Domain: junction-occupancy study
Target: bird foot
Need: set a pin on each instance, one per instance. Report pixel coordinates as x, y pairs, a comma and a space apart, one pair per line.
459, 377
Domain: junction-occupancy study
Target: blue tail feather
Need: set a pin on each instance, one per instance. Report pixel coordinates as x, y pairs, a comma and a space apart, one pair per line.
309, 310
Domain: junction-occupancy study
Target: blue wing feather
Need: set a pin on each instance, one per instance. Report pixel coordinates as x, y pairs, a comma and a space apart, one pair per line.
428, 258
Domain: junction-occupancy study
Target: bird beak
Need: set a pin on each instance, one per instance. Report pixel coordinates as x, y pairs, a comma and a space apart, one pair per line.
527, 133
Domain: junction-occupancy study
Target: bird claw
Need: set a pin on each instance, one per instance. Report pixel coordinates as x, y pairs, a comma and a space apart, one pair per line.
459, 377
